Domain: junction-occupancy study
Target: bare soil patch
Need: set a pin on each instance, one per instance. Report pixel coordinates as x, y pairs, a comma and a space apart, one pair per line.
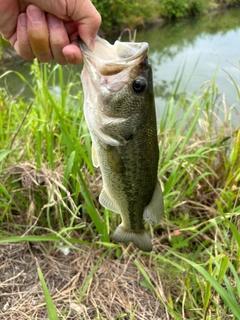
115, 287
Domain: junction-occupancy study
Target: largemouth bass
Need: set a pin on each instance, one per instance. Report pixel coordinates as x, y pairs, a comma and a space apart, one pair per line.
120, 113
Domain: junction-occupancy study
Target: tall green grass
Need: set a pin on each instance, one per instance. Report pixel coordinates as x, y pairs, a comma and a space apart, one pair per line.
199, 169
54, 134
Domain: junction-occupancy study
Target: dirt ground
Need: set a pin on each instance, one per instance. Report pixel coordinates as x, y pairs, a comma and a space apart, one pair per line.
114, 289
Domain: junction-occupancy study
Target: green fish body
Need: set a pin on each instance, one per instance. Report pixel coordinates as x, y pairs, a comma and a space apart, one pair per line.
120, 113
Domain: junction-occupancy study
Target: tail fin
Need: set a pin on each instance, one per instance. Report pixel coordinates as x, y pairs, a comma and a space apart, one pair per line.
141, 240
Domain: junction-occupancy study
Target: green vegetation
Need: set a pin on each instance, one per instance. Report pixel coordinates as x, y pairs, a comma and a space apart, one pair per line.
49, 197
119, 14
178, 9
3, 44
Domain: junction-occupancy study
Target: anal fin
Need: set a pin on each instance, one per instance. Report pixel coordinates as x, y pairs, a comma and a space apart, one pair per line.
107, 202
155, 209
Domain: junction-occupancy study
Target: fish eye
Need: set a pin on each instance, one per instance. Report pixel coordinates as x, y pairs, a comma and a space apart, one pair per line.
139, 85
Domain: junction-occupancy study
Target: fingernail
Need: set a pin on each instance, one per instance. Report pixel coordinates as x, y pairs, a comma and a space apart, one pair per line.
91, 44
54, 21
35, 14
23, 20
69, 59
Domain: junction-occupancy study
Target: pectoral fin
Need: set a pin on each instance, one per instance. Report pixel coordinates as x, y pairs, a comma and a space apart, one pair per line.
121, 129
107, 202
155, 209
112, 127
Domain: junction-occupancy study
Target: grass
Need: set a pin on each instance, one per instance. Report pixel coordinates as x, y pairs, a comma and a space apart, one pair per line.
52, 314
49, 207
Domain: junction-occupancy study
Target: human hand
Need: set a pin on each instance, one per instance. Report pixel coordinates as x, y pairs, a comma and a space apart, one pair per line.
48, 29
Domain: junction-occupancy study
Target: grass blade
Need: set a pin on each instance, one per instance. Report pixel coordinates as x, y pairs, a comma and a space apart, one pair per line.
89, 277
52, 314
227, 298
148, 284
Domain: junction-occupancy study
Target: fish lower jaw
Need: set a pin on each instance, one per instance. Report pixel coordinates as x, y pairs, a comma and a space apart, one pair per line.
141, 239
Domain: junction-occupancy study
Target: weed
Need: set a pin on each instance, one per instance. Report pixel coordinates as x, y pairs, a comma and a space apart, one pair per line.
49, 198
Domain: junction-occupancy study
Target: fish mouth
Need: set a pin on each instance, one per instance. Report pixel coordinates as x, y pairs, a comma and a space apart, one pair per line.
110, 59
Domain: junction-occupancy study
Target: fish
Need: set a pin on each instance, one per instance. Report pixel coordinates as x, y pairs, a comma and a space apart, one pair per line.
119, 110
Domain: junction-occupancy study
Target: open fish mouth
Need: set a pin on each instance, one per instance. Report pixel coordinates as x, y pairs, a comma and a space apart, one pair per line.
110, 59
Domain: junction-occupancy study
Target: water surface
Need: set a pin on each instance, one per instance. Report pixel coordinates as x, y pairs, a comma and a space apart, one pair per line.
205, 47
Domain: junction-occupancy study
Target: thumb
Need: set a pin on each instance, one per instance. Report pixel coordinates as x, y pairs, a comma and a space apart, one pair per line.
88, 19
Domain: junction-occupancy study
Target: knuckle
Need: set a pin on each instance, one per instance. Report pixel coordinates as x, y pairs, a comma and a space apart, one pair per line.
57, 42
24, 50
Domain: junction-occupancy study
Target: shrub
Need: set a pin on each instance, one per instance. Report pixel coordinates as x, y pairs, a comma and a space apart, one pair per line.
177, 8
196, 7
119, 14
173, 8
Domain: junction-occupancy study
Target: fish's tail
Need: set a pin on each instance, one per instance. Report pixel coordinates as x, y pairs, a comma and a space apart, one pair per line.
141, 239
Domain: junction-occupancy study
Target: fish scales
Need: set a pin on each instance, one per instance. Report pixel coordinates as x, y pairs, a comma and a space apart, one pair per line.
120, 113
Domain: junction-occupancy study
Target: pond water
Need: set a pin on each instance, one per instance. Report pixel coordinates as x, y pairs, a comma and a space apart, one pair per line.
203, 46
